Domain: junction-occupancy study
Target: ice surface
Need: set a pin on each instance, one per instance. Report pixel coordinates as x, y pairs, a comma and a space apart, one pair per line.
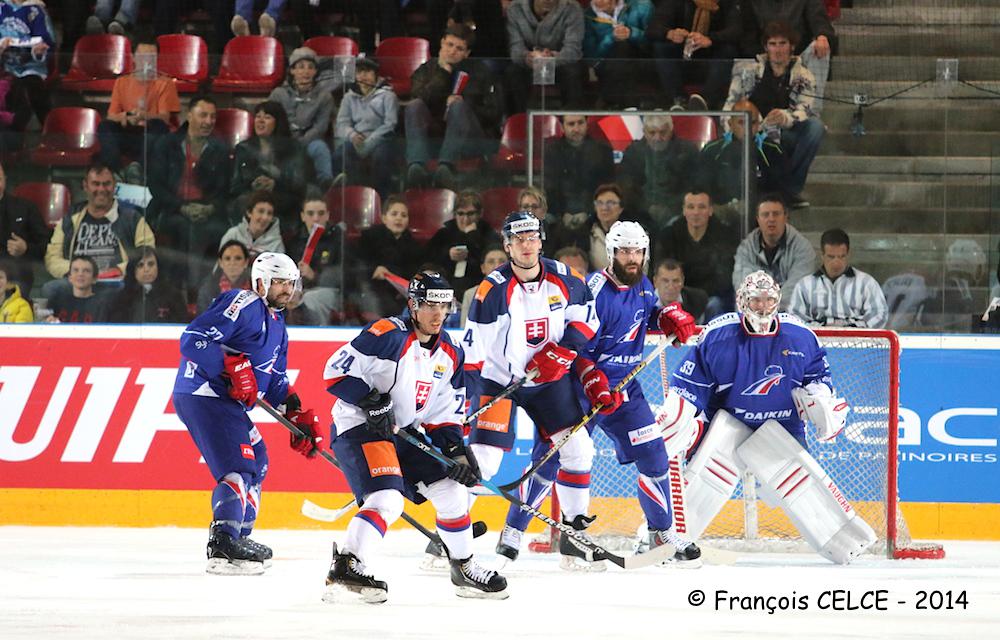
59, 582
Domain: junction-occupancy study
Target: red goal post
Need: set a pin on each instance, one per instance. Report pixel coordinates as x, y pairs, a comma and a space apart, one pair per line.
862, 460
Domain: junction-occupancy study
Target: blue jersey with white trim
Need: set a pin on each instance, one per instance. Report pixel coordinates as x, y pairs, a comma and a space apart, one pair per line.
625, 314
237, 322
752, 376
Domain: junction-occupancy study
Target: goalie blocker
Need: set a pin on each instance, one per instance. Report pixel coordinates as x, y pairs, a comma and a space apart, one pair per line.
791, 477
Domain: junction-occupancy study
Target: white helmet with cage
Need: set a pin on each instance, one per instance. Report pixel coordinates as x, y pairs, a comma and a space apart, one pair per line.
757, 299
270, 265
627, 235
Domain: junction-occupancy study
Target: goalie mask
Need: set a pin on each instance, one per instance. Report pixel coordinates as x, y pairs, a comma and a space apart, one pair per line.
431, 287
269, 266
757, 299
627, 235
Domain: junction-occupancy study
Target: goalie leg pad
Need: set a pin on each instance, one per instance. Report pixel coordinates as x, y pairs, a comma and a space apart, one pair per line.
808, 495
714, 472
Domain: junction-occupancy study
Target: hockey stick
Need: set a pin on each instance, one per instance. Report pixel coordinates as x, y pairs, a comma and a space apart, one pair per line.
509, 389
653, 556
313, 511
588, 416
326, 455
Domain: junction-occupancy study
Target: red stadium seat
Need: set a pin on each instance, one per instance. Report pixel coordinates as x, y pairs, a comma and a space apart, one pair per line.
696, 129
514, 142
97, 61
184, 58
233, 125
497, 203
51, 198
69, 138
398, 58
429, 210
356, 207
332, 46
250, 64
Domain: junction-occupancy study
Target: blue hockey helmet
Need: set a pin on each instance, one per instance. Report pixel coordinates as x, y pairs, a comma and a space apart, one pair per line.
522, 222
430, 286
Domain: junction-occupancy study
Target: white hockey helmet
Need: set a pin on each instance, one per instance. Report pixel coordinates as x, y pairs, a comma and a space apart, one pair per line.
757, 299
270, 265
966, 256
630, 235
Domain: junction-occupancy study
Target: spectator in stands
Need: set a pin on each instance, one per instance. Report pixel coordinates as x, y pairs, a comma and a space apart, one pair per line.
386, 249
706, 247
959, 299
322, 274
809, 19
486, 18
105, 230
365, 124
614, 37
774, 246
259, 231
458, 246
309, 107
609, 208
230, 272
455, 99
720, 163
105, 18
575, 258
23, 236
573, 163
545, 29
79, 302
708, 39
142, 105
13, 306
837, 294
145, 297
267, 22
782, 88
26, 35
493, 257
166, 14
656, 170
670, 287
557, 235
270, 160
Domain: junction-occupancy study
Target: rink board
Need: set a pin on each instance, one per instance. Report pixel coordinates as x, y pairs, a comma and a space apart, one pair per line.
88, 434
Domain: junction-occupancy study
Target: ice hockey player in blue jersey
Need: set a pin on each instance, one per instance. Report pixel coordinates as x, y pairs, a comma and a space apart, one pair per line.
627, 305
231, 353
757, 375
528, 319
404, 372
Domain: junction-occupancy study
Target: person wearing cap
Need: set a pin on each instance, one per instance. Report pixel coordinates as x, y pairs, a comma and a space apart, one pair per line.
365, 124
310, 108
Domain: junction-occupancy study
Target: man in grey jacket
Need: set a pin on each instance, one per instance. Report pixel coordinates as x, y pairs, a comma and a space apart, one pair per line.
365, 123
539, 29
776, 247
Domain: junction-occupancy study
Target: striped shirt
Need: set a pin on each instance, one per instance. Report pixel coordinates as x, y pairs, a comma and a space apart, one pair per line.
852, 300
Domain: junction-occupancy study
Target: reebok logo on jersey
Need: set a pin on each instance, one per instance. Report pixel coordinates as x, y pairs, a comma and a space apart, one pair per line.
536, 332
761, 387
247, 451
423, 392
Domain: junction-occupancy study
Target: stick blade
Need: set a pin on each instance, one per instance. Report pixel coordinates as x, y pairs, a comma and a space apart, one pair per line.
313, 511
646, 559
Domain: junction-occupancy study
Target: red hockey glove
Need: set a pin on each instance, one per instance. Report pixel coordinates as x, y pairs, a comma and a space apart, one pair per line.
675, 320
308, 444
552, 363
595, 385
242, 382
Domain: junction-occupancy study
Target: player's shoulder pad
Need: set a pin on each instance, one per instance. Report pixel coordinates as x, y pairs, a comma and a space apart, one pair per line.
721, 326
498, 276
596, 282
382, 338
452, 348
793, 326
574, 284
238, 301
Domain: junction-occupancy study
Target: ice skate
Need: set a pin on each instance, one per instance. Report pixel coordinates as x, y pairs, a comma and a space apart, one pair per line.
348, 576
265, 552
687, 555
228, 556
573, 555
509, 544
436, 555
472, 580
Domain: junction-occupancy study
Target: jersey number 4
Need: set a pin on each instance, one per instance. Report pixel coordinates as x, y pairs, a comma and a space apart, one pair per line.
343, 362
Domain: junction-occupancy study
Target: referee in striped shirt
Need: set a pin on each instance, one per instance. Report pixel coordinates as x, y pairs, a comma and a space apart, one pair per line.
837, 294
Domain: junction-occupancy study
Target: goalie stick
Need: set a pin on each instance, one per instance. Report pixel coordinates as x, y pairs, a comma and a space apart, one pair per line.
653, 556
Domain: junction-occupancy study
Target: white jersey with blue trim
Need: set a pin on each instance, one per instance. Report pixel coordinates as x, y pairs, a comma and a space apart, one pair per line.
625, 313
426, 384
237, 322
510, 321
752, 376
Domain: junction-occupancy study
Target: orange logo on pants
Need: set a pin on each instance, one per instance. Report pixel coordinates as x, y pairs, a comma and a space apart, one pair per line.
497, 417
381, 458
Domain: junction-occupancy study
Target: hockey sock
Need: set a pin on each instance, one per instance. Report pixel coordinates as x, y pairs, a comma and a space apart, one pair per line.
453, 523
252, 508
229, 500
654, 498
533, 491
574, 492
368, 526
456, 533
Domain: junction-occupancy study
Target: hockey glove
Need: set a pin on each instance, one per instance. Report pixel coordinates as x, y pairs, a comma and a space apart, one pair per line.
242, 381
595, 385
551, 363
675, 320
467, 470
379, 415
308, 444
817, 404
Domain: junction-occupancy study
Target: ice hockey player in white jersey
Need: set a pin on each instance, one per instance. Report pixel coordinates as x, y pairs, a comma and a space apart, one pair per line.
758, 375
529, 318
404, 372
627, 305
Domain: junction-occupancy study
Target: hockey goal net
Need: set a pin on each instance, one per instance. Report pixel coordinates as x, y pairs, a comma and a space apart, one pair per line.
861, 460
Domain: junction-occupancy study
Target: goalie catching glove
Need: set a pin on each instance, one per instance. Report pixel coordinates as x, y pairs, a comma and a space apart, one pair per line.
551, 362
817, 404
596, 386
467, 470
673, 319
308, 444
